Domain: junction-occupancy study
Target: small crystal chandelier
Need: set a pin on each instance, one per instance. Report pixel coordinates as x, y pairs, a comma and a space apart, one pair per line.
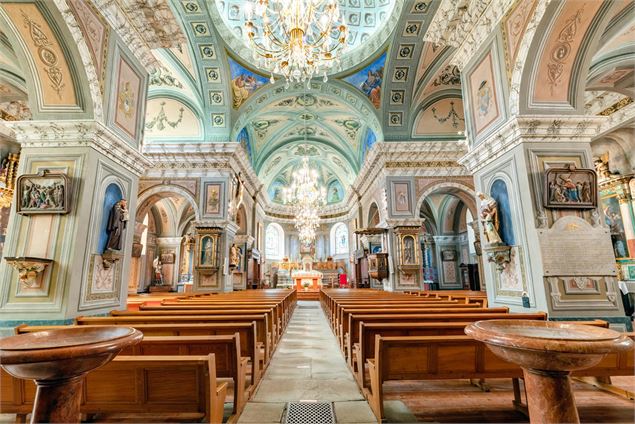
298, 38
306, 196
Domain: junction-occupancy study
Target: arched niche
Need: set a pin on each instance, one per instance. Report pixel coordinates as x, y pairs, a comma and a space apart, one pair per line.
373, 216
112, 195
498, 191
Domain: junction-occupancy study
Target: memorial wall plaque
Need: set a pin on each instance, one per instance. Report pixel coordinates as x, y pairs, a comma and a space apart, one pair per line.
573, 247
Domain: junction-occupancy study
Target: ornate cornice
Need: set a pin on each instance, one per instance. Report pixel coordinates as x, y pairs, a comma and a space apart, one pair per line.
413, 158
6, 133
79, 133
528, 129
623, 116
180, 160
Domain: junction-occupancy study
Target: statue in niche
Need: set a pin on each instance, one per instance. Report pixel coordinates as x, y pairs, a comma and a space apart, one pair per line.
488, 212
158, 275
188, 241
602, 167
237, 200
117, 222
234, 256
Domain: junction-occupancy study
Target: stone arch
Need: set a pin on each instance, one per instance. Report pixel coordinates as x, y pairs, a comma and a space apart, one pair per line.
149, 196
462, 191
86, 57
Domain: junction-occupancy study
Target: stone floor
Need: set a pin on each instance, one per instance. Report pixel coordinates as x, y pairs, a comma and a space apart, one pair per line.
307, 366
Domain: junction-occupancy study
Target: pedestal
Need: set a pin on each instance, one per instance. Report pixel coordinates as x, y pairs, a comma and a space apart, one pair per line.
548, 352
58, 360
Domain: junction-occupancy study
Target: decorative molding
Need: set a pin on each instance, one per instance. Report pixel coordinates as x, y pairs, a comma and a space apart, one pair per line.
401, 154
46, 55
536, 128
128, 31
94, 74
617, 119
522, 54
616, 106
579, 301
465, 26
79, 133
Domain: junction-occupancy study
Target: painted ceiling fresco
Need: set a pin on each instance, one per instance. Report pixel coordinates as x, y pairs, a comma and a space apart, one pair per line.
394, 86
207, 90
369, 22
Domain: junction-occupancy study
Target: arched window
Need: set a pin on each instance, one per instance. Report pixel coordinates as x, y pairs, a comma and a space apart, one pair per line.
274, 242
339, 239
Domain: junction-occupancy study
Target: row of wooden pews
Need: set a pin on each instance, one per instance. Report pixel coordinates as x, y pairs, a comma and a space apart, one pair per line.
198, 353
420, 336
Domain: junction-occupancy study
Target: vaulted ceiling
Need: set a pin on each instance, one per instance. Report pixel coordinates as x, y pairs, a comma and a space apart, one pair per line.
396, 83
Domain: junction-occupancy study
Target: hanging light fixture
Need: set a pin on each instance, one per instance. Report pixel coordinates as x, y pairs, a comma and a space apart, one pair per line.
298, 39
306, 196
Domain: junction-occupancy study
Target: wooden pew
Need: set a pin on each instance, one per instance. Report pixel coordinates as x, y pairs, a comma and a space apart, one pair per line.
247, 331
456, 357
343, 328
272, 323
282, 312
355, 320
415, 302
143, 388
226, 351
364, 348
262, 335
275, 314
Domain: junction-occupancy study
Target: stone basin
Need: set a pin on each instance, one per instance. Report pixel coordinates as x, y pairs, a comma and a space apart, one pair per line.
58, 359
548, 345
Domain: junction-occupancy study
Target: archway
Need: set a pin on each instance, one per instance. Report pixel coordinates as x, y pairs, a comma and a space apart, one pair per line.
449, 248
163, 246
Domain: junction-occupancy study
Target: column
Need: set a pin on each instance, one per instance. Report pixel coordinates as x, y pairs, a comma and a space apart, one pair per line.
628, 217
135, 280
560, 258
95, 169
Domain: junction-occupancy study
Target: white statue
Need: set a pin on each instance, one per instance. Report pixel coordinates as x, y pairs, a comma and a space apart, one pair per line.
488, 212
237, 199
156, 264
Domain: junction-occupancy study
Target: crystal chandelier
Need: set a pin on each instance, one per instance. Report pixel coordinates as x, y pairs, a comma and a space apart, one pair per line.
299, 39
306, 196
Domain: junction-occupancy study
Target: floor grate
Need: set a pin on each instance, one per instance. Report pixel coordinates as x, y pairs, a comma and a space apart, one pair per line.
309, 413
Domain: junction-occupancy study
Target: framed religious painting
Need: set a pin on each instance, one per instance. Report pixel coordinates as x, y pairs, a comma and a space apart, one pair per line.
213, 199
448, 255
208, 250
401, 198
43, 193
408, 250
570, 188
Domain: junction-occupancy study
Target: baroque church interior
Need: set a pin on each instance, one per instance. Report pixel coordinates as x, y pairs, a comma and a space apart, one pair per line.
268, 211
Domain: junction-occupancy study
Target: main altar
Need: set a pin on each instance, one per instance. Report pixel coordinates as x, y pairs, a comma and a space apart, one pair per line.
306, 277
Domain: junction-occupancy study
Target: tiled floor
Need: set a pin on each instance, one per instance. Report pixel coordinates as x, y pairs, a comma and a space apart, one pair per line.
307, 365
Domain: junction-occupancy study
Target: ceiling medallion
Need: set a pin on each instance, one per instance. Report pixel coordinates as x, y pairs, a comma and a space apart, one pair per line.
298, 39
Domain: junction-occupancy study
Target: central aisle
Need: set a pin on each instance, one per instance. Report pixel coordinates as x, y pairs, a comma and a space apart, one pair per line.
307, 366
